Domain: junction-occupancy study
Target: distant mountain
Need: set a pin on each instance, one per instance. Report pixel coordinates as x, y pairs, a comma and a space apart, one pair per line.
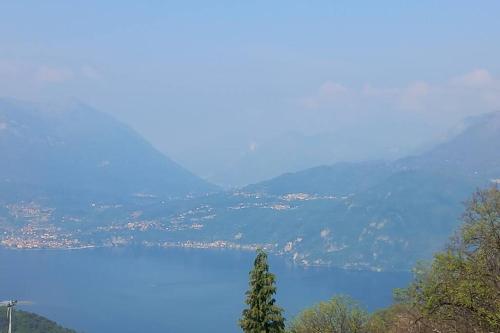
473, 154
294, 151
77, 151
340, 178
26, 322
385, 215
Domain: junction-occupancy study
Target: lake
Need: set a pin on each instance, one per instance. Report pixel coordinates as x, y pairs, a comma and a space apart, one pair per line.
130, 290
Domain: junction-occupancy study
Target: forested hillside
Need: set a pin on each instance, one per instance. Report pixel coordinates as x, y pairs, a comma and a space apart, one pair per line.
26, 322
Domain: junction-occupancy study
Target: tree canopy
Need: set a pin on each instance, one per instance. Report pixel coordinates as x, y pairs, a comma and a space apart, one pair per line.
461, 288
339, 315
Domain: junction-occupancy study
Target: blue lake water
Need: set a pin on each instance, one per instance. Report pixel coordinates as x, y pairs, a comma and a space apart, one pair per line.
168, 290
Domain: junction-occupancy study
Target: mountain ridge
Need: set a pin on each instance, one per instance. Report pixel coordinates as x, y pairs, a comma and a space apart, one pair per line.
457, 152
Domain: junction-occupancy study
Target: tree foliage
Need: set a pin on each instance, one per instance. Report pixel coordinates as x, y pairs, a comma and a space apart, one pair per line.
339, 315
460, 290
262, 314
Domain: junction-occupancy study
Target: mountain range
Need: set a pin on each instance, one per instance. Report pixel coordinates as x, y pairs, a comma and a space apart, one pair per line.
75, 177
291, 151
393, 213
473, 154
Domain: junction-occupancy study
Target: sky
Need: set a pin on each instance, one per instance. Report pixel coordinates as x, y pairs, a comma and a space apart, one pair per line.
208, 82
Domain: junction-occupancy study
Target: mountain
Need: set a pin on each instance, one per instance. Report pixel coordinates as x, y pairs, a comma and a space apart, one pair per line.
371, 215
340, 178
473, 154
290, 152
76, 151
385, 215
26, 322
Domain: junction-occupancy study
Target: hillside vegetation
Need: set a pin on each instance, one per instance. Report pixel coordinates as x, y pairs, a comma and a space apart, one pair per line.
26, 322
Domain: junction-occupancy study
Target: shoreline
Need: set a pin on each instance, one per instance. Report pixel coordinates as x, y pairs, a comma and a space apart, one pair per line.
174, 245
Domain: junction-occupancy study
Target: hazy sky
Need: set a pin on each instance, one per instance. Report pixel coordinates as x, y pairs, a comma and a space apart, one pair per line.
210, 78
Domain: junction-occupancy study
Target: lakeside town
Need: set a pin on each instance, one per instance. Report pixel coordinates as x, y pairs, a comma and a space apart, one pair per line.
189, 222
32, 225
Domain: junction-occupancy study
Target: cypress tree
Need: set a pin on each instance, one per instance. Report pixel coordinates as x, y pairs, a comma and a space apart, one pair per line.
262, 314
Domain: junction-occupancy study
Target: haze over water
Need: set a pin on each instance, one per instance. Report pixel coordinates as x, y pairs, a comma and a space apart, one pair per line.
174, 290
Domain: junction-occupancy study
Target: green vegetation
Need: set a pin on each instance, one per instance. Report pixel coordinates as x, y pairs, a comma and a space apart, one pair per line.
340, 314
262, 314
458, 292
26, 322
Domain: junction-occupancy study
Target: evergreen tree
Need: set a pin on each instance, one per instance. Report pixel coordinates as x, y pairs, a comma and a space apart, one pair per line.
262, 314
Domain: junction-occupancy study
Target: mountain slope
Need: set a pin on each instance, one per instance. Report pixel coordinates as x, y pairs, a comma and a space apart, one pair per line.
78, 150
474, 153
341, 178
